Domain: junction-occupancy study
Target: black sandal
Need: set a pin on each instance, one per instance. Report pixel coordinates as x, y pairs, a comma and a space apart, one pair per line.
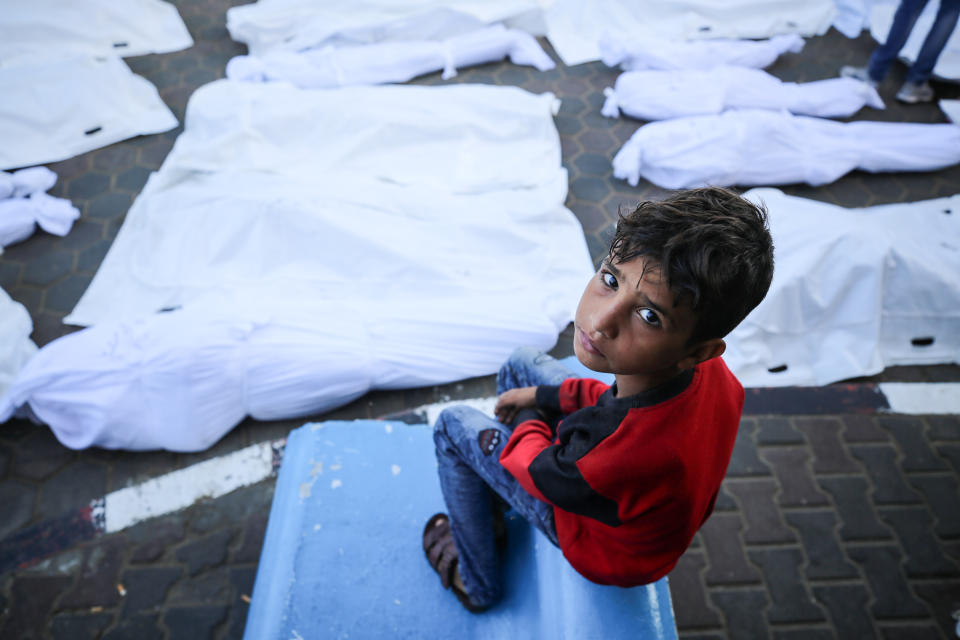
443, 557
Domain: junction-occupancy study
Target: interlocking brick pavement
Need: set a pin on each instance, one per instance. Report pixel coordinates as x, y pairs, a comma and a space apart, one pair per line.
836, 525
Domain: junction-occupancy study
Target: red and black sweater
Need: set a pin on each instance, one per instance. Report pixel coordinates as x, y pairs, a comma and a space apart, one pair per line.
630, 479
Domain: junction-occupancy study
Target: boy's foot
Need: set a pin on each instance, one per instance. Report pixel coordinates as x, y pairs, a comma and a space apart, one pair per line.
443, 557
913, 92
858, 73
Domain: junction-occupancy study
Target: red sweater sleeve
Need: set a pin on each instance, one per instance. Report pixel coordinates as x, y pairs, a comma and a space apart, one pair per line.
576, 393
526, 442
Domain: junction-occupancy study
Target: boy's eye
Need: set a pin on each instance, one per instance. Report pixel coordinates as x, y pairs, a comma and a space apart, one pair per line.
608, 279
649, 316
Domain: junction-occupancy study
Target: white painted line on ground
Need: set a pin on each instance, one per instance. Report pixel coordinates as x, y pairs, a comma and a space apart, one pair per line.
179, 489
922, 397
218, 476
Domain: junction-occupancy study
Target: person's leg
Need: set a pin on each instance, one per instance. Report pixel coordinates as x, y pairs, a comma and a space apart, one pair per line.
903, 21
944, 24
529, 367
469, 444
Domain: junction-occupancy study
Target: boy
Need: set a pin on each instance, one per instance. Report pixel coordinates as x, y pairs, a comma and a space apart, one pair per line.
624, 480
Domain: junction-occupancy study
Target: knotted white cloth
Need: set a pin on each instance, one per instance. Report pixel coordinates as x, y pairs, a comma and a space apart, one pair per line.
660, 53
660, 95
753, 147
24, 205
388, 62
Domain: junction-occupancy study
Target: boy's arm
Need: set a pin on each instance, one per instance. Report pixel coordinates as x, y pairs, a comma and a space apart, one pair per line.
572, 395
549, 471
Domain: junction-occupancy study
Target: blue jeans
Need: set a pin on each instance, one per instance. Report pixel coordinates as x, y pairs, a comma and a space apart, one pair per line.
469, 444
903, 21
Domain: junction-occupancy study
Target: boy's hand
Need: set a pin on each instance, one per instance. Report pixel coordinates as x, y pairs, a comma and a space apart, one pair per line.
512, 401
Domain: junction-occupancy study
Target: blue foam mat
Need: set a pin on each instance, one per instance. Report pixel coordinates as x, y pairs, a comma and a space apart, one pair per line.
342, 556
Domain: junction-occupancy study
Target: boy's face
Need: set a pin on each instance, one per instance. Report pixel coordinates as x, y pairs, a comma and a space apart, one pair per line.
628, 324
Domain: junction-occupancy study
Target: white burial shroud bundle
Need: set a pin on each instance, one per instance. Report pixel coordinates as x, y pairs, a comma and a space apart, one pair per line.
54, 109
388, 62
65, 89
48, 28
948, 64
753, 147
576, 28
660, 95
24, 205
317, 244
16, 348
298, 25
635, 54
854, 291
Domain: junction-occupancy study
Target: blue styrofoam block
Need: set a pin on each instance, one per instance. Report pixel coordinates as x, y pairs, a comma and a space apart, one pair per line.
342, 556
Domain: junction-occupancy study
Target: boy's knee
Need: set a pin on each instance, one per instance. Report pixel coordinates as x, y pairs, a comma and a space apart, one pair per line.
525, 355
452, 421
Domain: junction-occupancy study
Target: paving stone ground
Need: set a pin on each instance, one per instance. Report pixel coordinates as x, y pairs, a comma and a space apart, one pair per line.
829, 526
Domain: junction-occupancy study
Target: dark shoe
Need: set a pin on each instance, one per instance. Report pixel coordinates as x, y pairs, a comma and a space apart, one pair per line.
912, 92
858, 73
443, 557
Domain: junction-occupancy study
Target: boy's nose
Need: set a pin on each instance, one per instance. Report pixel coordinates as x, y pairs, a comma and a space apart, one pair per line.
605, 320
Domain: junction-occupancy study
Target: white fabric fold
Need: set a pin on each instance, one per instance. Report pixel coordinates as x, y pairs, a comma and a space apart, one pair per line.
753, 147
16, 348
655, 52
951, 109
55, 109
24, 205
576, 28
948, 64
181, 380
298, 25
854, 291
315, 245
389, 62
45, 28
660, 95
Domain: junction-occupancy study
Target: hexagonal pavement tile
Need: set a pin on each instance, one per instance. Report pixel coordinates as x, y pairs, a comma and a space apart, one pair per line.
131, 180
88, 185
109, 158
62, 296
88, 260
589, 189
17, 500
73, 487
114, 204
39, 455
9, 275
83, 234
49, 268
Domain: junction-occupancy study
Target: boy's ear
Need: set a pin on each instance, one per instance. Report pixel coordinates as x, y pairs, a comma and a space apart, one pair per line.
702, 351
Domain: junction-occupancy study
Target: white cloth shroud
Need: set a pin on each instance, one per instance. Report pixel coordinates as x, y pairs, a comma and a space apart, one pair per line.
854, 291
317, 244
951, 109
297, 25
54, 109
24, 205
660, 95
948, 64
388, 62
853, 16
634, 54
53, 28
16, 348
752, 147
575, 28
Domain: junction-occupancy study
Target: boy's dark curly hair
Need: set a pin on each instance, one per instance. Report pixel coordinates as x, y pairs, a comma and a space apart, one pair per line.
713, 249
